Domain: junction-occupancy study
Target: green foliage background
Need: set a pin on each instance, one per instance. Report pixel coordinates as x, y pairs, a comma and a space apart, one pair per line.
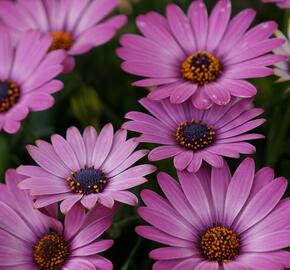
98, 91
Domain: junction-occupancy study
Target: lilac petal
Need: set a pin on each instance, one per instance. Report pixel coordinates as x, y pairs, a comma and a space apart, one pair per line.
89, 233
175, 196
240, 138
155, 27
73, 221
96, 247
182, 160
14, 224
220, 181
195, 163
212, 159
187, 264
234, 266
69, 202
12, 257
218, 22
200, 100
90, 137
239, 190
198, 16
156, 235
47, 159
164, 223
268, 242
128, 162
281, 257
151, 199
217, 94
38, 102
153, 82
6, 53
196, 196
74, 138
181, 28
171, 253
256, 50
77, 263
101, 262
103, 145
106, 200
258, 261
262, 178
65, 152
164, 152
11, 126
239, 88
126, 197
261, 204
236, 28
164, 265
207, 266
94, 13
183, 92
89, 201
223, 150
50, 199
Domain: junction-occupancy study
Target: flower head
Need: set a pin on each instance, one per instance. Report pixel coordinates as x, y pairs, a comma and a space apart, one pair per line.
89, 168
32, 240
282, 69
200, 57
280, 3
218, 221
191, 135
27, 75
76, 26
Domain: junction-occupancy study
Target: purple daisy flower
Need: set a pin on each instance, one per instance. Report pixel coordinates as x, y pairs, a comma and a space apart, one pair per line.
192, 136
90, 168
219, 221
31, 240
280, 3
76, 26
200, 57
27, 75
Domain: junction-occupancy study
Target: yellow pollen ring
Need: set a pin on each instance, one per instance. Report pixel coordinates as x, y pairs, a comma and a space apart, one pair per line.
220, 244
201, 68
61, 40
10, 98
51, 252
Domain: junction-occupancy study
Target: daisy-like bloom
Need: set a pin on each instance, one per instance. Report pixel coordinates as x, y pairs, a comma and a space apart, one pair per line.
200, 57
282, 69
27, 75
219, 221
31, 240
76, 26
280, 3
89, 168
192, 136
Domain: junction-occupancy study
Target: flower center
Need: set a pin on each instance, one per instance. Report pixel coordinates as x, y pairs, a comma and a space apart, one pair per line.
87, 181
61, 40
201, 68
51, 252
9, 95
194, 135
220, 244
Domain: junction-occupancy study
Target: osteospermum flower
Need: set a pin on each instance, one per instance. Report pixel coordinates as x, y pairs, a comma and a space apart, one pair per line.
279, 3
191, 136
31, 240
219, 222
283, 68
200, 57
90, 168
76, 26
27, 75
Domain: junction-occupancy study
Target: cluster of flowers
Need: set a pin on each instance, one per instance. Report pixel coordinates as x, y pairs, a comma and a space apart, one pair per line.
200, 112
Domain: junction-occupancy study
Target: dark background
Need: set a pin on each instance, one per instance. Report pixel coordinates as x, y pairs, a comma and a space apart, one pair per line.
98, 91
